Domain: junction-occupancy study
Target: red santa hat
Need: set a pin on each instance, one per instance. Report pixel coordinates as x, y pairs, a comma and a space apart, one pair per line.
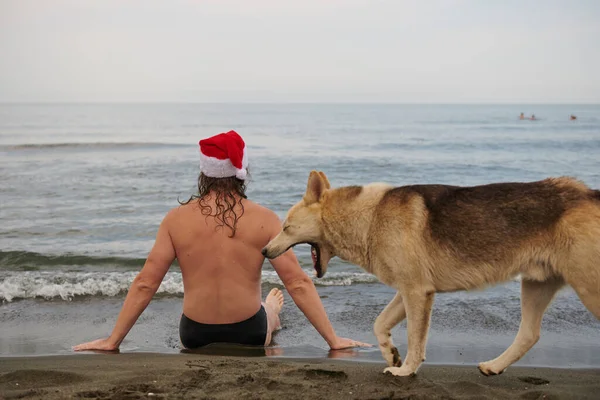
224, 155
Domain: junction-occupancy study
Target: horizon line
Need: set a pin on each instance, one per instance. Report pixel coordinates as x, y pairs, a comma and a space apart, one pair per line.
157, 102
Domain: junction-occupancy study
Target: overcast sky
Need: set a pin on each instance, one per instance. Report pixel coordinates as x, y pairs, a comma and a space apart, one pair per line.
432, 51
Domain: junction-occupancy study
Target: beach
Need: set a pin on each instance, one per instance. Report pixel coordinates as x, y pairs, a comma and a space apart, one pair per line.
185, 376
464, 138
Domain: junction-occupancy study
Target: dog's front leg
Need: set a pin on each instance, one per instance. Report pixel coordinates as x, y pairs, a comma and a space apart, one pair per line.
391, 316
418, 310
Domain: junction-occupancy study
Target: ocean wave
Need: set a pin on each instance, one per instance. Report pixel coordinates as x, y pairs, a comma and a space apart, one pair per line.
69, 285
85, 145
24, 260
331, 279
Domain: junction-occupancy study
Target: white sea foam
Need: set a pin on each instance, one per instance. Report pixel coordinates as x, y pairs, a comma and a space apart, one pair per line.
68, 285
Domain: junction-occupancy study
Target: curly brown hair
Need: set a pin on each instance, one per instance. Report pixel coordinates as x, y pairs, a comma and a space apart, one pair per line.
228, 193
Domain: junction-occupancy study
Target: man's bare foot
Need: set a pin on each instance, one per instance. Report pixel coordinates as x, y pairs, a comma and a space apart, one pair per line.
273, 304
275, 300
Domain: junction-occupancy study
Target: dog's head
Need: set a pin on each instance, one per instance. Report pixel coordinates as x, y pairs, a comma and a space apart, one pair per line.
303, 224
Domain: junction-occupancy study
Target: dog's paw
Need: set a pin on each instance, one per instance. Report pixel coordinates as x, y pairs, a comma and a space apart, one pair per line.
399, 371
487, 368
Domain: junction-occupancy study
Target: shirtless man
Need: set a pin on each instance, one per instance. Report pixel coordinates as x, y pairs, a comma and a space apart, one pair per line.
217, 237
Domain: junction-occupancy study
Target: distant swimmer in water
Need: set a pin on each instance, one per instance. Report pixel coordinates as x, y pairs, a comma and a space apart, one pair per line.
522, 116
573, 117
532, 117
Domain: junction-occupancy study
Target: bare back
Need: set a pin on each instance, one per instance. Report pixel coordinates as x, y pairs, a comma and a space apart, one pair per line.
221, 275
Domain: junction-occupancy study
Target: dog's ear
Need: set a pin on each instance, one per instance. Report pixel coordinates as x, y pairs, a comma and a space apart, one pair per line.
325, 180
315, 187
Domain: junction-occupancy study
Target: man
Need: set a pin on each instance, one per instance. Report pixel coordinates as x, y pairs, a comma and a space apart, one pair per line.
217, 237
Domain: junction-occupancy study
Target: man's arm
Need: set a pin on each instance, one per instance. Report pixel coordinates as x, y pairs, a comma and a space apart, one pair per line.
305, 295
143, 287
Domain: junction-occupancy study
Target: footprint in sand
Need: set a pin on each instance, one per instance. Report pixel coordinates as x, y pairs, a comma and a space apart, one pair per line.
324, 373
34, 378
121, 392
533, 380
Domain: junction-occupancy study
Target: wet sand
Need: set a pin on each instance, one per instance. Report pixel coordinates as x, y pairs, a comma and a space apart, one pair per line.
183, 376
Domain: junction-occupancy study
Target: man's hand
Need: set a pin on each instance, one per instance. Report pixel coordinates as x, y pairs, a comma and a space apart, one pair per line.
97, 345
343, 343
140, 293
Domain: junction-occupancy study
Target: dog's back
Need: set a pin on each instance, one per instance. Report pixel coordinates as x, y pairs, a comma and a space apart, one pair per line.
481, 219
517, 227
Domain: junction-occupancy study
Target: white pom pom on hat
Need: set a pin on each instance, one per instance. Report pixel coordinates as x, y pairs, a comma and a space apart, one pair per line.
224, 155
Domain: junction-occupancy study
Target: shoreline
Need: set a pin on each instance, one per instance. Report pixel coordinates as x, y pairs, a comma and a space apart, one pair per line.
466, 328
300, 354
192, 375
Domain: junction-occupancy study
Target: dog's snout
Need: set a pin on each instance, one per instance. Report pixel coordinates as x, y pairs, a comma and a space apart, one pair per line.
264, 251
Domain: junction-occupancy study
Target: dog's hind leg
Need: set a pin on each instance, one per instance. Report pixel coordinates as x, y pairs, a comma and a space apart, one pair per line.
584, 277
582, 269
418, 311
588, 291
391, 316
591, 300
535, 298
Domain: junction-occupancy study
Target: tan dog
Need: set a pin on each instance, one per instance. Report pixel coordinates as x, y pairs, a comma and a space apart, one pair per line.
425, 239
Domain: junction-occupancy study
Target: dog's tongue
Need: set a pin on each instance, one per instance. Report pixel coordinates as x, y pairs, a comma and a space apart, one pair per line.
313, 254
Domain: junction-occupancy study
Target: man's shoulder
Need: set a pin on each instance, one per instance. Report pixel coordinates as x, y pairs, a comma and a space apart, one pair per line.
266, 219
263, 211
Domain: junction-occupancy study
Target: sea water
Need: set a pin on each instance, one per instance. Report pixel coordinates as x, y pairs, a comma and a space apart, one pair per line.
84, 187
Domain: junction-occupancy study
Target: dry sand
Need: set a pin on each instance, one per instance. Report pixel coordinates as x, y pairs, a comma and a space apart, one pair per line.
184, 376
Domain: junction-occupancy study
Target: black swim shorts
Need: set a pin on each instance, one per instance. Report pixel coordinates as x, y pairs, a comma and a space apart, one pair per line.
252, 331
